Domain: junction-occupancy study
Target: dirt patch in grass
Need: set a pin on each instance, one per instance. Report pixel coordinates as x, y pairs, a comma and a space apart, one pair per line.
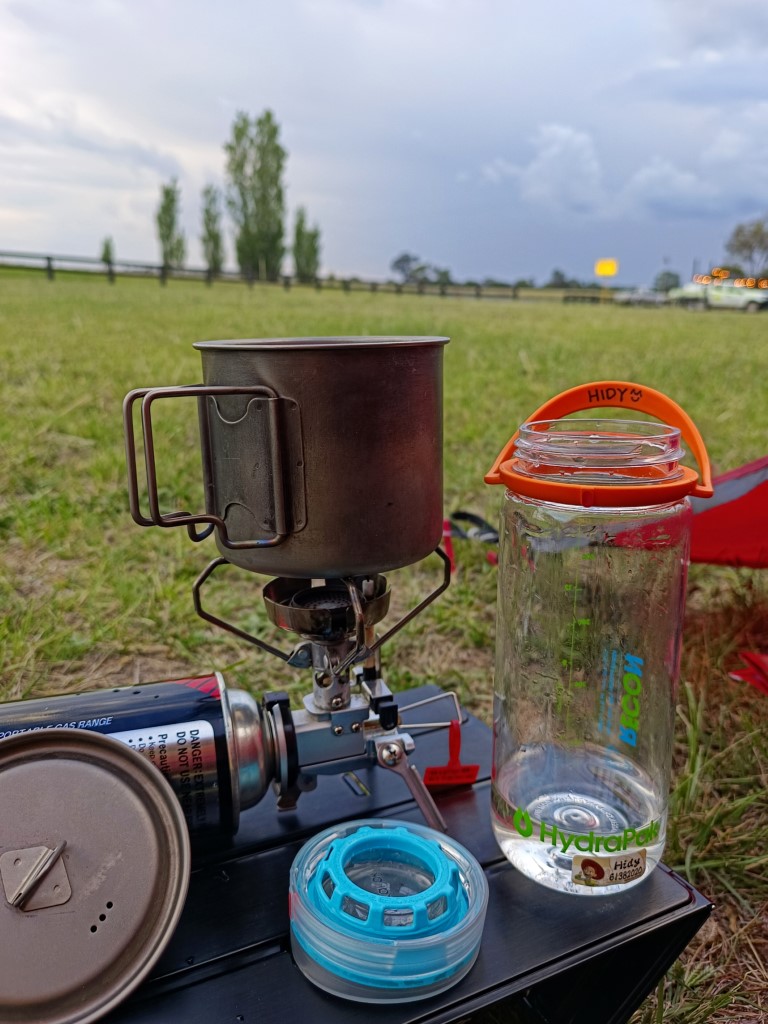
34, 573
103, 670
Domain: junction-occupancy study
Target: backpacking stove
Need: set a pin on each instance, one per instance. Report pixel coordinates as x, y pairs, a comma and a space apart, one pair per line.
351, 718
309, 478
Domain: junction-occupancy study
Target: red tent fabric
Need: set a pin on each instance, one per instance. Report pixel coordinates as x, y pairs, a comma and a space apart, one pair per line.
731, 528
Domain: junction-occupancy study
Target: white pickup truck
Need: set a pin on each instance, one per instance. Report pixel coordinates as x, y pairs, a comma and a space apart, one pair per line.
722, 295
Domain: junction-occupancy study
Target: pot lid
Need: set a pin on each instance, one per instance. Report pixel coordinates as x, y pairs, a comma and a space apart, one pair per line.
94, 868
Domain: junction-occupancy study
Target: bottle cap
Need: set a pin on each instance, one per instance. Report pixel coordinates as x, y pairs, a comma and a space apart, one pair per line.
385, 911
646, 482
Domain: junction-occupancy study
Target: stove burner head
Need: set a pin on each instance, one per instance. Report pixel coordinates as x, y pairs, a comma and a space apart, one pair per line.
325, 612
328, 598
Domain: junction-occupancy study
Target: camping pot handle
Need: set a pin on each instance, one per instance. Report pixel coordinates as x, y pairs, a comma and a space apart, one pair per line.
180, 518
617, 394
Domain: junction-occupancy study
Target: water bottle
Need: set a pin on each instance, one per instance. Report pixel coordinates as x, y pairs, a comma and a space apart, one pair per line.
594, 542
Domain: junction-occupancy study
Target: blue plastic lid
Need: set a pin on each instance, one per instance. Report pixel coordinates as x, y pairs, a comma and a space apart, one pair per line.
386, 910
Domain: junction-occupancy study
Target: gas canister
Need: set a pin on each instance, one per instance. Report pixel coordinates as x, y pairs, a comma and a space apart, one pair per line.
208, 741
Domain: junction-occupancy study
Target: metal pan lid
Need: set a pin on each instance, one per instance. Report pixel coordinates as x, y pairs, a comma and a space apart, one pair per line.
94, 869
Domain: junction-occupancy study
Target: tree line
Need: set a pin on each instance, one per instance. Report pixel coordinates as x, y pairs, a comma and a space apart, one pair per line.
254, 198
413, 270
747, 245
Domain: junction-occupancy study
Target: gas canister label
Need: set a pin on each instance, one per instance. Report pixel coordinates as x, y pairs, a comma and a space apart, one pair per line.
599, 871
185, 752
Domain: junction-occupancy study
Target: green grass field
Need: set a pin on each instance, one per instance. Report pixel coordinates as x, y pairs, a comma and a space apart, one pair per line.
88, 599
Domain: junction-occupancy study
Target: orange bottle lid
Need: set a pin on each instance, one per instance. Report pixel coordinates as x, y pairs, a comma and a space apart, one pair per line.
656, 484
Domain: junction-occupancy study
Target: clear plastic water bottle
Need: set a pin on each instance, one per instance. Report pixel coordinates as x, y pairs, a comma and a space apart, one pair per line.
595, 530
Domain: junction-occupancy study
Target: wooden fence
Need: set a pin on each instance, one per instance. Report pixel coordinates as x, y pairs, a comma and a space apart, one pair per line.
51, 265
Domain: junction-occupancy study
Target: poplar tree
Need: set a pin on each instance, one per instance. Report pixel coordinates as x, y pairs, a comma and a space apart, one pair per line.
255, 194
211, 238
108, 258
107, 251
306, 248
172, 243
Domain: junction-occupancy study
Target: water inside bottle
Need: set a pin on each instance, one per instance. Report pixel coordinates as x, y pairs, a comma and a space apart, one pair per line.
585, 820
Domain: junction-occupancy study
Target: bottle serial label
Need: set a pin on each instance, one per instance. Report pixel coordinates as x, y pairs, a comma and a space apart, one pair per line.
600, 871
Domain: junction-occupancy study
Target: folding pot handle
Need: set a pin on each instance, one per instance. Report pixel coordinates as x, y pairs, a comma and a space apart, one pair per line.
180, 518
616, 394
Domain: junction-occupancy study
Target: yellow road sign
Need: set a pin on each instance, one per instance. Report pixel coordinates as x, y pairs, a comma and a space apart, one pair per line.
606, 268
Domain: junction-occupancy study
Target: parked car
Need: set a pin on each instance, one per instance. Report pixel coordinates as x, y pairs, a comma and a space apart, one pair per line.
639, 297
720, 295
691, 295
729, 295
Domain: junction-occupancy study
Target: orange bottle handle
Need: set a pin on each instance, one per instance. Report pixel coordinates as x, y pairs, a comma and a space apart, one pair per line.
619, 394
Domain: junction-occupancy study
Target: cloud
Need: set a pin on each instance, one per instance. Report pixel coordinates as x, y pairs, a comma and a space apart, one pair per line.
564, 175
728, 146
736, 157
716, 26
56, 133
710, 79
665, 190
498, 169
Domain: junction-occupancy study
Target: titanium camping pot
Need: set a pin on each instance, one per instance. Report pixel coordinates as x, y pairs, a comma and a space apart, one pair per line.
321, 457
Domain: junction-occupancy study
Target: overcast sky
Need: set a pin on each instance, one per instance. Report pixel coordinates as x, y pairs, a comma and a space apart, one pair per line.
492, 137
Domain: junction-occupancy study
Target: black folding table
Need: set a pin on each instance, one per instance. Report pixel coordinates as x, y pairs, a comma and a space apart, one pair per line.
544, 957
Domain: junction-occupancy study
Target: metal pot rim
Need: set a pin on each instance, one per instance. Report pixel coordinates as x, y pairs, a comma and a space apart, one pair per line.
341, 341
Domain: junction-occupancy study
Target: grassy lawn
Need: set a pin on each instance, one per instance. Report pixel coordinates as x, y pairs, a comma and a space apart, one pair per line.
88, 599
